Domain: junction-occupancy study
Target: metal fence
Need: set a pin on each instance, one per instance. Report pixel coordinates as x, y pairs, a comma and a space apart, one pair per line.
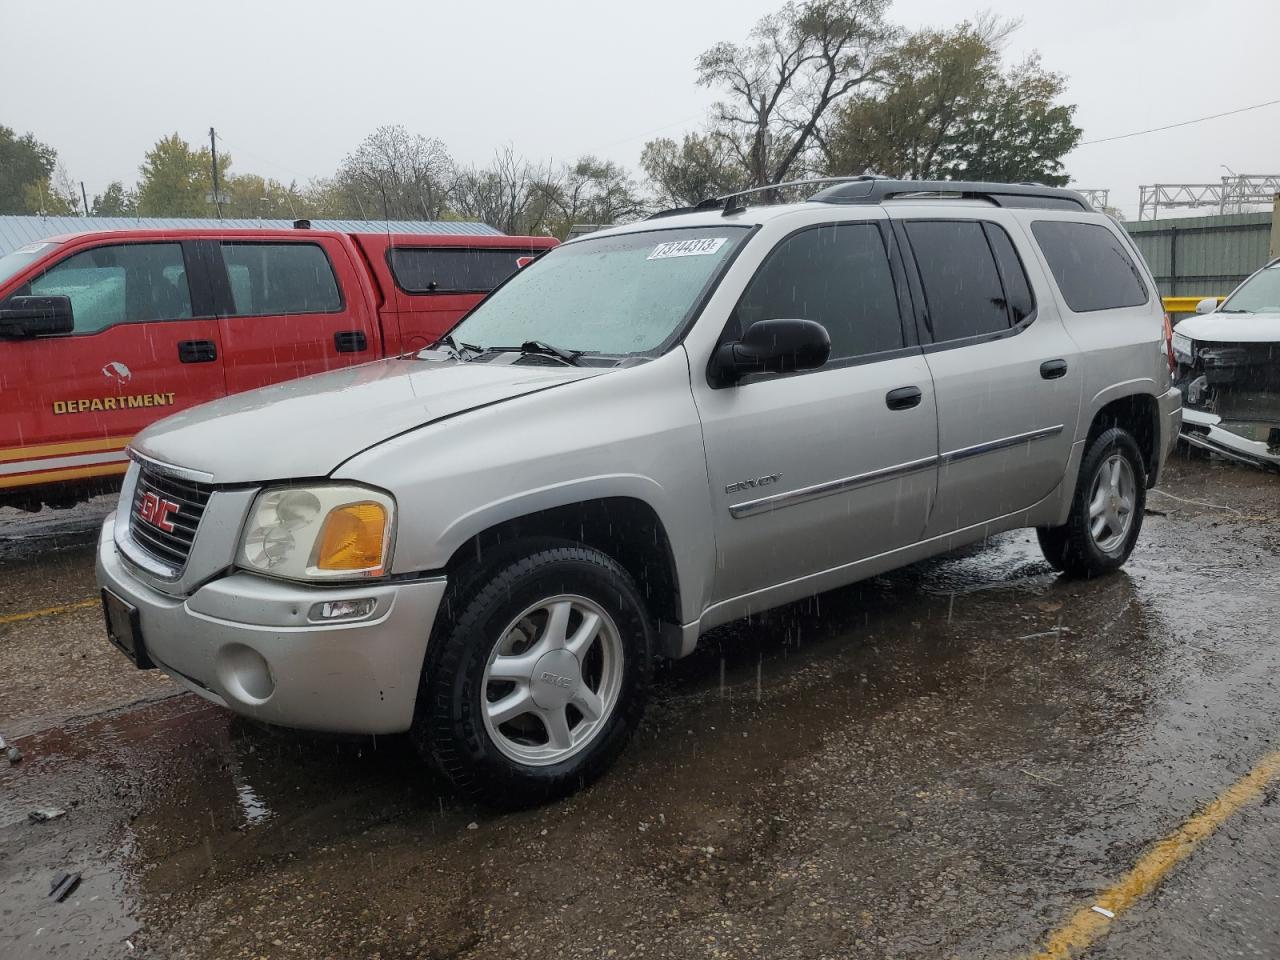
1204, 256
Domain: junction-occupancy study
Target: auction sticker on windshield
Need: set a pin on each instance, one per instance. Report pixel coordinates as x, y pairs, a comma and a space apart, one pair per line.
702, 247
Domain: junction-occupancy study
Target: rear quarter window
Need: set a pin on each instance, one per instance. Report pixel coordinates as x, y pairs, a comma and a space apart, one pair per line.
453, 269
1091, 266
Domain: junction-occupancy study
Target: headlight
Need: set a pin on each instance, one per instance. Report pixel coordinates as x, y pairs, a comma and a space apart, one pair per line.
328, 532
1183, 348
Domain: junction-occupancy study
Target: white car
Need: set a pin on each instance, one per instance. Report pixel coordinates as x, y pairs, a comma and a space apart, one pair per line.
1229, 371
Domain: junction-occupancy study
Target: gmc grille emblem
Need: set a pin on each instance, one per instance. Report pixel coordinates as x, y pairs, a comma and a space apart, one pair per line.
156, 510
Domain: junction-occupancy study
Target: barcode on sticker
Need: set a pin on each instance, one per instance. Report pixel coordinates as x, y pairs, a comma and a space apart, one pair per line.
687, 248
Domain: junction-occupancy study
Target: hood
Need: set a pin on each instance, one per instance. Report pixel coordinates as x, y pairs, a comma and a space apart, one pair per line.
1232, 327
305, 428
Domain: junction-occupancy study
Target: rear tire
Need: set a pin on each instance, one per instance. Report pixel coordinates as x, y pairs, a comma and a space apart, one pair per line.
536, 675
1106, 510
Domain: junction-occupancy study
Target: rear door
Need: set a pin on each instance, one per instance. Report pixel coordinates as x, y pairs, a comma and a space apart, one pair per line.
289, 308
1007, 375
145, 345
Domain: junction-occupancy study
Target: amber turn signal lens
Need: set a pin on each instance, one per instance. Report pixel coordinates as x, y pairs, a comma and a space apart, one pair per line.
354, 538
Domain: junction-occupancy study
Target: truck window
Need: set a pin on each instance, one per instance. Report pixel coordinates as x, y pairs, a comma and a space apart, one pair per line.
279, 279
837, 275
453, 269
1091, 265
123, 283
961, 283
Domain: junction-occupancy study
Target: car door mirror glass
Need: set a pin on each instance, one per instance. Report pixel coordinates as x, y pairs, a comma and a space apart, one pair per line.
22, 317
772, 346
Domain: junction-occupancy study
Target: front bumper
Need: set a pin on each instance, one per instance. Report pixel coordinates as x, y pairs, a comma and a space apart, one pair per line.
245, 642
1207, 431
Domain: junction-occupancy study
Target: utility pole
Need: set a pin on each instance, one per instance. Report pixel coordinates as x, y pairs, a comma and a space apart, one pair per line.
85, 197
213, 150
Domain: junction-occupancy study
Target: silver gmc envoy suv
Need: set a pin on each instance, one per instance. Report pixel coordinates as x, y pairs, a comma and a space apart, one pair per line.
650, 431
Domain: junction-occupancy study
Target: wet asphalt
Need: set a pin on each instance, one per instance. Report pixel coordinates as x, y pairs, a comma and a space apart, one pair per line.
946, 761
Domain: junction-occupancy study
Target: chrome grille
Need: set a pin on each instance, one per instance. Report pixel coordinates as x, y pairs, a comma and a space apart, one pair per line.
169, 547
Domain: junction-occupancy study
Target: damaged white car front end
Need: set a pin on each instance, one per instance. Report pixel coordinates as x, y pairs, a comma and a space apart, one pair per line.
1228, 368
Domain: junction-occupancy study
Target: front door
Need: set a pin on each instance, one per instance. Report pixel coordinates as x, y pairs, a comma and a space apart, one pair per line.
144, 346
289, 309
815, 470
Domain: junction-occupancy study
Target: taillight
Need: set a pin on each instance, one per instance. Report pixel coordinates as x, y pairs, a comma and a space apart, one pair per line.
1168, 343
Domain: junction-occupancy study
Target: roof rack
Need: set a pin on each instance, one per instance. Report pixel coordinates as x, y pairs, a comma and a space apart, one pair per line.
999, 194
872, 189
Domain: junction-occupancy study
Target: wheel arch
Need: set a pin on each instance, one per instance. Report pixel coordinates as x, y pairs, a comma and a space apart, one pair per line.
624, 526
1134, 408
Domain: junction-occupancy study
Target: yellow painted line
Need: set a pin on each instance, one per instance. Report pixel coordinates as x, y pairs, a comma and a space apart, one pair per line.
28, 479
38, 451
49, 611
1087, 925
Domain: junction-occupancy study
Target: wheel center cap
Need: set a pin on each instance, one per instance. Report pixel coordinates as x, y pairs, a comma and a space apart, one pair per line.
555, 679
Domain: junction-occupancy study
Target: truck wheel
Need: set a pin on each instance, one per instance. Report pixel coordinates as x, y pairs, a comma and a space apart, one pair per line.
536, 675
1106, 512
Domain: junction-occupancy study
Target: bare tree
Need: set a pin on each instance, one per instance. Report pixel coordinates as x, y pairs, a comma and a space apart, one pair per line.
504, 194
796, 64
399, 175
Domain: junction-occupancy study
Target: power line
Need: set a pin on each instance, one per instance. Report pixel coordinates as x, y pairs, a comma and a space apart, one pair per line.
1184, 123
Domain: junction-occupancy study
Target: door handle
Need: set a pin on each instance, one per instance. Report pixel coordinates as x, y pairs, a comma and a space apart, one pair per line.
350, 341
1053, 369
904, 398
197, 351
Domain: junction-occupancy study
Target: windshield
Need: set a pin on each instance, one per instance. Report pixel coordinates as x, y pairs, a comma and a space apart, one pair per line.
618, 296
1259, 294
15, 262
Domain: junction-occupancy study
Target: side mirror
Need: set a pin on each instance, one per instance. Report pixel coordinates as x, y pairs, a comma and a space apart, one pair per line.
1207, 305
36, 317
772, 346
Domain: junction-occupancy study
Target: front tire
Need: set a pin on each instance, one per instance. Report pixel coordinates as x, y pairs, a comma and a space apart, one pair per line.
1106, 511
536, 675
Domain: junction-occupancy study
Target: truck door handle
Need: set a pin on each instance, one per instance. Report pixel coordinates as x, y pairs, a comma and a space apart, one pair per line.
1053, 369
904, 398
350, 341
197, 351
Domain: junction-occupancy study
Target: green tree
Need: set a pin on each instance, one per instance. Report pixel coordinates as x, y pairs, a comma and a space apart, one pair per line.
176, 180
115, 201
255, 197
26, 172
589, 191
947, 110
687, 173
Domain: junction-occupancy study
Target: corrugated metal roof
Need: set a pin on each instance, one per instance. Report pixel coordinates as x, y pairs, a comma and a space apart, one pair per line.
18, 230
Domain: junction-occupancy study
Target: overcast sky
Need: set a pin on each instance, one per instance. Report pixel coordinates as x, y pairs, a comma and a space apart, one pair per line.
293, 86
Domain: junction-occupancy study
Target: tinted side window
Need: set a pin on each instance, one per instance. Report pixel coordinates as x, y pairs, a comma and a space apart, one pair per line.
837, 275
1091, 265
277, 279
1017, 289
451, 269
961, 283
126, 283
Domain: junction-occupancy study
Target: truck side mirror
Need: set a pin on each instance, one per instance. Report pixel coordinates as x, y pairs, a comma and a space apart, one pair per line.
772, 346
1207, 305
36, 317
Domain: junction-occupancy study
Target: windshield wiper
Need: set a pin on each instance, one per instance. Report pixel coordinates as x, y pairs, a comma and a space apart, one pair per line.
547, 350
457, 347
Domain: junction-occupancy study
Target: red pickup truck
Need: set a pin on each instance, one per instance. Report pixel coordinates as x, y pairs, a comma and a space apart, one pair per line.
102, 333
